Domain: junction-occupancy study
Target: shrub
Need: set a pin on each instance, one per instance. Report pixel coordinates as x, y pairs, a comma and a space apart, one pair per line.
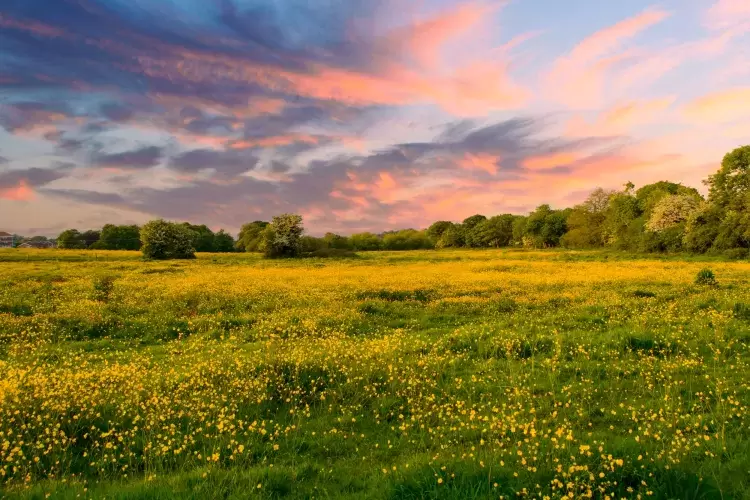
167, 240
705, 277
736, 253
282, 238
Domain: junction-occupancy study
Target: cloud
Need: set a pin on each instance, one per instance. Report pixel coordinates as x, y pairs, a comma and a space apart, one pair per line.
577, 79
720, 107
19, 184
227, 163
144, 157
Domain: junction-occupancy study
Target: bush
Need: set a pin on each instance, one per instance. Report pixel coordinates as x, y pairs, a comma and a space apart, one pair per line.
736, 253
167, 240
705, 277
282, 238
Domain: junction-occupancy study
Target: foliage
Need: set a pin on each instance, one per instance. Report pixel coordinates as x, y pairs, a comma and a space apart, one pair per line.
203, 237
336, 241
223, 242
365, 242
282, 237
453, 237
250, 238
123, 237
705, 277
436, 230
545, 227
167, 240
672, 210
70, 239
408, 239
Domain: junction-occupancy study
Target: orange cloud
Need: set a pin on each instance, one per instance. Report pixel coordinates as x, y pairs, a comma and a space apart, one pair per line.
425, 39
550, 161
274, 141
477, 87
480, 161
22, 192
720, 107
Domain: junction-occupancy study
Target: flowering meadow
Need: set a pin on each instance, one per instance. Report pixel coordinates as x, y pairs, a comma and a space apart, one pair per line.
427, 374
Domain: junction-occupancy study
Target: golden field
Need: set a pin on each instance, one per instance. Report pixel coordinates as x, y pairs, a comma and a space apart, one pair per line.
429, 374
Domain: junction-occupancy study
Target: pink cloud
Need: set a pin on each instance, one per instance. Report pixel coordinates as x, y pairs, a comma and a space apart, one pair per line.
577, 80
21, 192
729, 14
480, 161
721, 106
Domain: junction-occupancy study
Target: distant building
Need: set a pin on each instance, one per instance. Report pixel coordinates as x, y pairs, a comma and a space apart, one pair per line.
37, 244
6, 240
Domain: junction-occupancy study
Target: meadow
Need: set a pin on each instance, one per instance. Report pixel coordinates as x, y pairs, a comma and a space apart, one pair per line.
392, 375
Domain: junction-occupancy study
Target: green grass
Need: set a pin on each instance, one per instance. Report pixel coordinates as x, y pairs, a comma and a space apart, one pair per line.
397, 375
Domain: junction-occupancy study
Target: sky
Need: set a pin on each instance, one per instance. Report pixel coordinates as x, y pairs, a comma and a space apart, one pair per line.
360, 115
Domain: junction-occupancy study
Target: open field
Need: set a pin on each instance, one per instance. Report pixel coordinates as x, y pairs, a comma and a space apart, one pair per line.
431, 374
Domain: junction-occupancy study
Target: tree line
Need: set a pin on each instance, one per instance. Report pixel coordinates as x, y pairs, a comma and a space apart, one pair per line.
659, 217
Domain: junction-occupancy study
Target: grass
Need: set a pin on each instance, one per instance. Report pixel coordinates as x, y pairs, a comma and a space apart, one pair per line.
396, 375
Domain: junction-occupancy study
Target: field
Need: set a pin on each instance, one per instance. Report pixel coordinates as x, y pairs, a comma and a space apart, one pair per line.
434, 374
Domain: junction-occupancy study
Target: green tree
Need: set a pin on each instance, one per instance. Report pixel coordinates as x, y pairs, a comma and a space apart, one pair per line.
90, 237
407, 239
250, 238
203, 238
336, 241
470, 223
545, 226
282, 237
730, 186
585, 222
223, 242
365, 241
167, 240
494, 232
436, 230
125, 237
453, 237
70, 239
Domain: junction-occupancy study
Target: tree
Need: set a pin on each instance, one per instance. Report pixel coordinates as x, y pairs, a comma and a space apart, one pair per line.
453, 237
519, 230
436, 230
70, 239
495, 232
282, 237
250, 238
120, 237
407, 239
545, 226
365, 241
167, 240
470, 223
729, 187
223, 242
90, 237
585, 222
670, 211
702, 228
336, 241
203, 238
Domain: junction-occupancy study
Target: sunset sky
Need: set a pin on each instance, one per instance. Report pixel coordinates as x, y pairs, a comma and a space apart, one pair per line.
357, 114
